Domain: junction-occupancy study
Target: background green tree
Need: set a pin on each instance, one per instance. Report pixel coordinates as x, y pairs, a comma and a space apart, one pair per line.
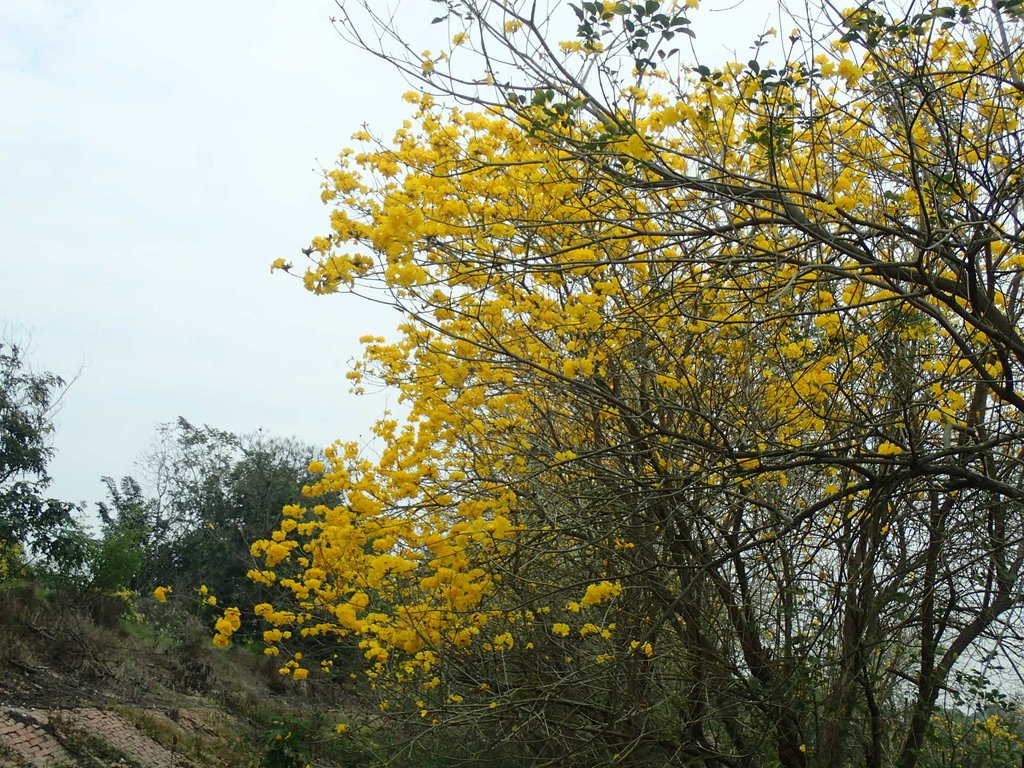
202, 496
29, 519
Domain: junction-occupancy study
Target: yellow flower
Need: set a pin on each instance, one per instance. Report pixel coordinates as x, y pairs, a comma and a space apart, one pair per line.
645, 648
850, 71
161, 593
601, 592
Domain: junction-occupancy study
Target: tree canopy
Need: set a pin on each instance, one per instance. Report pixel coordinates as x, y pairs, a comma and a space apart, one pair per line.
186, 522
27, 402
712, 444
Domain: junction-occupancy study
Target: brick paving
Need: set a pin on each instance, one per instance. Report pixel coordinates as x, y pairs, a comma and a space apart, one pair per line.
125, 737
31, 738
23, 733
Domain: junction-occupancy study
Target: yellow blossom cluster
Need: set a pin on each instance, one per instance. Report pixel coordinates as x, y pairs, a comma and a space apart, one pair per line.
664, 371
229, 623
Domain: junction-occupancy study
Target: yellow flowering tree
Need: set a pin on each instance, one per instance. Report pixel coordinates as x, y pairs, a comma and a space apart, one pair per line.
710, 447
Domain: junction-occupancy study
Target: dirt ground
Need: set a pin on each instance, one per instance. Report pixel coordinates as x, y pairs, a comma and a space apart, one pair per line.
78, 693
54, 718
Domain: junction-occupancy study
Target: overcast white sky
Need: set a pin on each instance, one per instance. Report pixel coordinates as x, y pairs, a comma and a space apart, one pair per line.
154, 159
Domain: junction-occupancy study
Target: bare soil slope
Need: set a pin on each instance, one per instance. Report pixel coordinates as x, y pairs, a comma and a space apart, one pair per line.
82, 687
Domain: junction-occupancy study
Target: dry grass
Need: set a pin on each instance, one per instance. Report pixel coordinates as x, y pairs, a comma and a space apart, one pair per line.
213, 707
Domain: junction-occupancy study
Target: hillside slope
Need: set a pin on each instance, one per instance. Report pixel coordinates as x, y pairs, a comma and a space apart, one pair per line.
83, 687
